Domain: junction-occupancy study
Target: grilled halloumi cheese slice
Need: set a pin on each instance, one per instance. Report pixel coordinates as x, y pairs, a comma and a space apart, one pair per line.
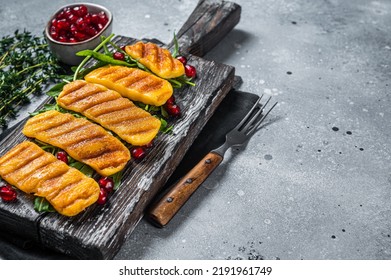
34, 171
157, 59
111, 110
83, 140
133, 83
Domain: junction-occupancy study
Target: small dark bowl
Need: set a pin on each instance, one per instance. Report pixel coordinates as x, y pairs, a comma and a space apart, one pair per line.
66, 52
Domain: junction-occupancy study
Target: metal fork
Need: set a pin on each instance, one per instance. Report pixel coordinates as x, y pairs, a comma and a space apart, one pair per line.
166, 208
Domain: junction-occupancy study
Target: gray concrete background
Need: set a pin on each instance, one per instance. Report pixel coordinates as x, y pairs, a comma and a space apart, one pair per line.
316, 182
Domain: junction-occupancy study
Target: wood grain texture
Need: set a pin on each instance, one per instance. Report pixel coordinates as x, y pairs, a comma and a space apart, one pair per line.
102, 230
166, 208
99, 232
207, 25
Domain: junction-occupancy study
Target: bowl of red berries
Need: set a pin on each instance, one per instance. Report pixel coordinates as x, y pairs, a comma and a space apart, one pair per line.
77, 27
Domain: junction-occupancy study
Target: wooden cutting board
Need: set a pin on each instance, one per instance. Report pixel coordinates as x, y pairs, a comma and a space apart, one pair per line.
99, 232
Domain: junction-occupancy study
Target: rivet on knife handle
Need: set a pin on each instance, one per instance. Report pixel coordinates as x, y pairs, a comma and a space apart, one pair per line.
166, 208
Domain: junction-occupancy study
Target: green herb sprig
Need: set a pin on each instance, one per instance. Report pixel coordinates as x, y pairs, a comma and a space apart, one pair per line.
26, 67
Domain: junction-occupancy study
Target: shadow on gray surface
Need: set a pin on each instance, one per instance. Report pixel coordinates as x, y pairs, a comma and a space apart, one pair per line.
231, 111
229, 45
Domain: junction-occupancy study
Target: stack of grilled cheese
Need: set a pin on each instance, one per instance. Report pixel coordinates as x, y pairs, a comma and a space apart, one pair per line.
105, 98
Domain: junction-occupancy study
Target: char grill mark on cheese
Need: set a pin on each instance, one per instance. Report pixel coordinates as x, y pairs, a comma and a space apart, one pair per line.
84, 141
132, 83
35, 171
111, 110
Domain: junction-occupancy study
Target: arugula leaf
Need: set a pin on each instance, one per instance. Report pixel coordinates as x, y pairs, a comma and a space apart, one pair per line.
117, 178
46, 107
56, 90
164, 112
175, 53
164, 126
84, 168
42, 205
104, 41
180, 81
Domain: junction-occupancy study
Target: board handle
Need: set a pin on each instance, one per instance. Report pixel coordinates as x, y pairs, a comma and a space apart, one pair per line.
206, 26
162, 211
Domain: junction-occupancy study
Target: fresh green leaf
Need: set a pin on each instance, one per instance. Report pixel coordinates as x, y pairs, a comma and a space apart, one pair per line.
117, 178
86, 59
104, 58
181, 81
84, 168
56, 90
164, 113
164, 127
46, 107
175, 53
27, 67
42, 205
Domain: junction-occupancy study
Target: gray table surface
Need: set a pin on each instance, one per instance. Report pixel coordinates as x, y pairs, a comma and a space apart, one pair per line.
316, 182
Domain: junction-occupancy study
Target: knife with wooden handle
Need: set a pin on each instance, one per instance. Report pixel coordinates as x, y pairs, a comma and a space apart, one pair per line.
166, 208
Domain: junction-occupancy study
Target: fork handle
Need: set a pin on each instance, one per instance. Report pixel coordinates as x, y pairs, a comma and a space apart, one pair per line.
166, 207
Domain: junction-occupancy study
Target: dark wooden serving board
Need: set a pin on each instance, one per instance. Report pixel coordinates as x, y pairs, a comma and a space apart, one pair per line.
99, 232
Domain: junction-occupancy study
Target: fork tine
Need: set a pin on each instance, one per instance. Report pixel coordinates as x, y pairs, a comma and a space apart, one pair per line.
248, 114
249, 123
261, 120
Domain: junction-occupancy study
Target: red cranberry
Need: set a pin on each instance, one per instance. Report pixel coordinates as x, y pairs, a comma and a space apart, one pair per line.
77, 24
54, 34
103, 196
62, 24
63, 156
119, 56
190, 71
100, 26
94, 18
81, 24
80, 36
138, 153
54, 23
7, 193
171, 100
72, 18
103, 18
91, 31
62, 39
106, 183
173, 110
87, 18
182, 59
80, 11
67, 13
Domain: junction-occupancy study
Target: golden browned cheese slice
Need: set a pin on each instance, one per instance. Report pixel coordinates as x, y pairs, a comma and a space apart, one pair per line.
157, 59
32, 170
84, 141
111, 110
132, 83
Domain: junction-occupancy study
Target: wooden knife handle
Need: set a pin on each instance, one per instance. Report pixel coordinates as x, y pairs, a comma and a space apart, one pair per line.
207, 25
165, 209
